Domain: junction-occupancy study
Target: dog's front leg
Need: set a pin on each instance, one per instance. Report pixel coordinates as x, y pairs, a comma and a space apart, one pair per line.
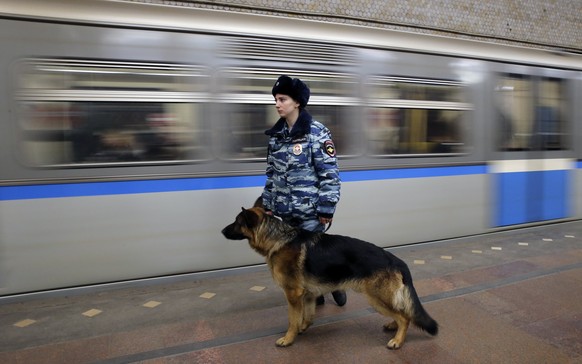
295, 312
308, 311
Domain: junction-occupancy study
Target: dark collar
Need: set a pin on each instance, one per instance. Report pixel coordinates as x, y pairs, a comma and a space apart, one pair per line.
301, 127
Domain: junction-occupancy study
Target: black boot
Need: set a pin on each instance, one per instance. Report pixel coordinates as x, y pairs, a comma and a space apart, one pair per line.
339, 297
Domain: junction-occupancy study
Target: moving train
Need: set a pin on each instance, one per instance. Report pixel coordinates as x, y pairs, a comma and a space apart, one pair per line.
131, 134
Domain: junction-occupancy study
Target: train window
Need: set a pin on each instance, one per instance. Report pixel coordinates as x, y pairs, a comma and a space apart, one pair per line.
249, 109
550, 112
413, 116
244, 130
530, 113
340, 121
86, 112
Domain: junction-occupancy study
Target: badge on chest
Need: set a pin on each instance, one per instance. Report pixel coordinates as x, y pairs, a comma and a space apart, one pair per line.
297, 149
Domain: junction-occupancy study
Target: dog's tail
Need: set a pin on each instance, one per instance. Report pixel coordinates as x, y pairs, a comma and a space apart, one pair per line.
420, 317
423, 320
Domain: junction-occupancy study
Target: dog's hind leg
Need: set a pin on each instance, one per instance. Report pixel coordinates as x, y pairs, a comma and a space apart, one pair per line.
391, 326
389, 297
402, 323
295, 309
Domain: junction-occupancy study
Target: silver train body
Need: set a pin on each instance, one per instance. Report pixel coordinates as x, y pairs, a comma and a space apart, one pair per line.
131, 134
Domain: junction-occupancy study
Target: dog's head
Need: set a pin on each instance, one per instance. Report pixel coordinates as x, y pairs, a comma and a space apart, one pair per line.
245, 223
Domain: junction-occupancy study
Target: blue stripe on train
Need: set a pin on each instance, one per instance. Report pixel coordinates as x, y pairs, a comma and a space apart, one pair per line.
210, 183
356, 176
127, 187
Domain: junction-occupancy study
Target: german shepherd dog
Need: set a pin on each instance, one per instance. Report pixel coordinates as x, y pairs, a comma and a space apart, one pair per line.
307, 264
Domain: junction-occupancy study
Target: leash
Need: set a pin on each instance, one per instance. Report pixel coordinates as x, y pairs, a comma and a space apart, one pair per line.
328, 226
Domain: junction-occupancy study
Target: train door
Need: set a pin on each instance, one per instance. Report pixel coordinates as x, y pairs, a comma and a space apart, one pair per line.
532, 174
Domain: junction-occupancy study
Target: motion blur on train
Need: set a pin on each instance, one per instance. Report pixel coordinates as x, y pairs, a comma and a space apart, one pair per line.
125, 147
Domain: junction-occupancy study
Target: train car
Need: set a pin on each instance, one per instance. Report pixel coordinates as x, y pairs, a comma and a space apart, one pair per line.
131, 134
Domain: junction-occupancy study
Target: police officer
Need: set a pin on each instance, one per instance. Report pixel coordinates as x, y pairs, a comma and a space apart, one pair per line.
303, 184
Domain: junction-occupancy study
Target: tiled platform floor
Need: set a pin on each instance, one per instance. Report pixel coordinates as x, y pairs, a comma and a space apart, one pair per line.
511, 297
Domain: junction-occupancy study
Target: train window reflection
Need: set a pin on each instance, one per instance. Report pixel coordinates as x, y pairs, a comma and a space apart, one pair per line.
530, 113
245, 130
84, 112
337, 119
550, 112
412, 116
105, 132
414, 131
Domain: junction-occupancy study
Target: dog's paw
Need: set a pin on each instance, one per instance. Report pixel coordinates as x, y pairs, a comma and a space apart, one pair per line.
393, 344
283, 342
392, 326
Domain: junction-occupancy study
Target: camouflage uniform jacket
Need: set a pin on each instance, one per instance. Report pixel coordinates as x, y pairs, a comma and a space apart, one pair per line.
302, 173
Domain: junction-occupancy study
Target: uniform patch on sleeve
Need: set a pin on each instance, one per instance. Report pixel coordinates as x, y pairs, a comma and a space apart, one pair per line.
329, 148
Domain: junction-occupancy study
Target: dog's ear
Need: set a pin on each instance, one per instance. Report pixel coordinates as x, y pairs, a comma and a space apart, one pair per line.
250, 218
259, 202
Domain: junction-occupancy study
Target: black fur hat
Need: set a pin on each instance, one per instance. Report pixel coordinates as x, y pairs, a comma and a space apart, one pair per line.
295, 88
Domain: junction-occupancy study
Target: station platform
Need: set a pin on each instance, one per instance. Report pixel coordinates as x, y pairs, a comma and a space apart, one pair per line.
507, 297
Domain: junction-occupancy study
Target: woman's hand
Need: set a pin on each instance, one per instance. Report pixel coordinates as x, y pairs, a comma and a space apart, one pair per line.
325, 220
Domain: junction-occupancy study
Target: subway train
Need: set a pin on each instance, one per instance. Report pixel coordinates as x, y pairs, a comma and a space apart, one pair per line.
131, 134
